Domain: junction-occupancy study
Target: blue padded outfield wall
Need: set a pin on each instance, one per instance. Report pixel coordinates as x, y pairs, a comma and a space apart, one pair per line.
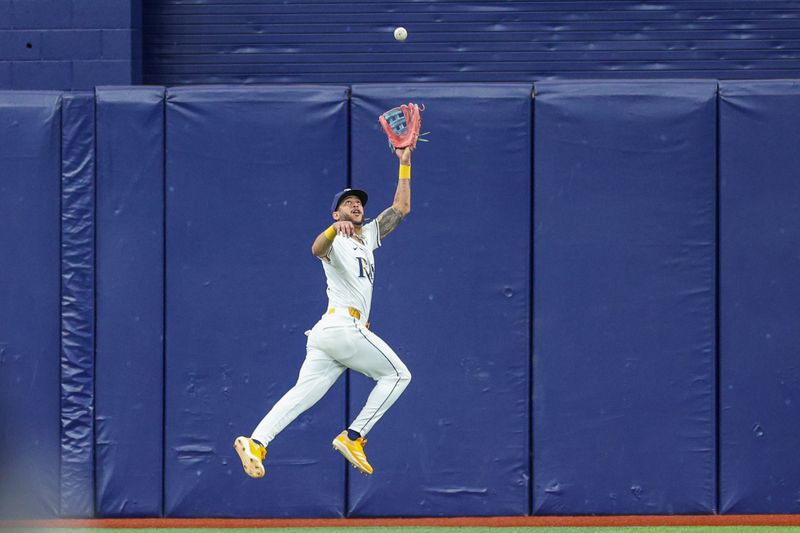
130, 301
452, 299
77, 304
624, 291
594, 292
249, 182
30, 319
759, 294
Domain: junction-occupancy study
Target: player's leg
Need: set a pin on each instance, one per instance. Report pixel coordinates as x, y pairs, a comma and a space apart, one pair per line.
373, 357
318, 373
377, 360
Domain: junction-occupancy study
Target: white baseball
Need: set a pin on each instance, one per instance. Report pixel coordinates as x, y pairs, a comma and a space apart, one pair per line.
400, 33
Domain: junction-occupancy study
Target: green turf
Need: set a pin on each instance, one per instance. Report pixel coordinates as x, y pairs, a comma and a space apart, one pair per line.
425, 529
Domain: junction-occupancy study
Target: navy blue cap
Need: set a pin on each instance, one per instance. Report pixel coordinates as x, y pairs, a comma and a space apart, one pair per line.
348, 192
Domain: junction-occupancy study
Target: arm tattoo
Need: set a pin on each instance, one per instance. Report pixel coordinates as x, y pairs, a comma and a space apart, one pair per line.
388, 220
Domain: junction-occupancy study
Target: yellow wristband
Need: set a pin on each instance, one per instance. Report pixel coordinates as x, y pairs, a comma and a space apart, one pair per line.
330, 233
405, 172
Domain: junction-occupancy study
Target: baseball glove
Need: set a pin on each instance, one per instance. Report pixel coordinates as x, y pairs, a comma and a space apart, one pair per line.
401, 125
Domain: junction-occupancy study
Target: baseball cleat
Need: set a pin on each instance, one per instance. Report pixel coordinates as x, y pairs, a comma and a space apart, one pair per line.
353, 451
252, 456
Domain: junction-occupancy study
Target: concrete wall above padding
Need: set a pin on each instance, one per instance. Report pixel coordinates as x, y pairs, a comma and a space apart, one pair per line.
69, 44
329, 41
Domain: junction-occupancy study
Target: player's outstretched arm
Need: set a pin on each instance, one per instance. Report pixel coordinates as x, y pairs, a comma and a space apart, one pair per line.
390, 218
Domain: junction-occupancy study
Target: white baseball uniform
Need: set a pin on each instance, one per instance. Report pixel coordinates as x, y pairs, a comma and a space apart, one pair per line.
341, 340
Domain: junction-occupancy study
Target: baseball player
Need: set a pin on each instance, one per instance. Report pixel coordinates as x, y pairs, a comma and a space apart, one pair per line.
342, 339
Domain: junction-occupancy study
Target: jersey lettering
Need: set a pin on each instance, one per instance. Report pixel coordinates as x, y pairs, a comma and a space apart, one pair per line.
365, 269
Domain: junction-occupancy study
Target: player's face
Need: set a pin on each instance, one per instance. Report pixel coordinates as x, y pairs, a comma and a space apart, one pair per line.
351, 210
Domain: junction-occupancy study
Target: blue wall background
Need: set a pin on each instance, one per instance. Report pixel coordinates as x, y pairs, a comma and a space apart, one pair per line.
594, 292
78, 44
328, 41
69, 44
469, 351
624, 273
759, 230
241, 188
30, 314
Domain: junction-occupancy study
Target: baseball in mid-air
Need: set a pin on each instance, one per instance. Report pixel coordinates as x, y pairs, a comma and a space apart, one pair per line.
400, 33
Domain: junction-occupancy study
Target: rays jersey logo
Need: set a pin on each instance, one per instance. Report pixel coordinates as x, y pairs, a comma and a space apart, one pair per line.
365, 269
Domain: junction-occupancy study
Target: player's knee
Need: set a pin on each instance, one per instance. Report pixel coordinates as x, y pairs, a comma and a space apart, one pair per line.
399, 376
405, 376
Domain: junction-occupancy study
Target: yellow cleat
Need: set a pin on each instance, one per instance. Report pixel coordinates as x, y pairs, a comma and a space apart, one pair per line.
252, 456
353, 451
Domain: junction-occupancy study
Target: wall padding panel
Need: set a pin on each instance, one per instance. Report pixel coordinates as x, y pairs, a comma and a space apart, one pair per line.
77, 304
251, 173
624, 298
30, 324
759, 294
129, 300
452, 296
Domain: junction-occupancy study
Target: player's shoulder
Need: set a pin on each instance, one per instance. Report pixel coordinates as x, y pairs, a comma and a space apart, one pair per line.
371, 231
372, 225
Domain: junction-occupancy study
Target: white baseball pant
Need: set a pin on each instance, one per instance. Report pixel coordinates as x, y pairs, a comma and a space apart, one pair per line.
337, 342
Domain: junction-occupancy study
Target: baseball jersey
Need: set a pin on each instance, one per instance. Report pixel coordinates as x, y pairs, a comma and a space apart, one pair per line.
350, 269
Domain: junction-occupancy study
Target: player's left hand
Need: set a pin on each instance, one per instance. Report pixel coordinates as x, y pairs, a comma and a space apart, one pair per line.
404, 154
